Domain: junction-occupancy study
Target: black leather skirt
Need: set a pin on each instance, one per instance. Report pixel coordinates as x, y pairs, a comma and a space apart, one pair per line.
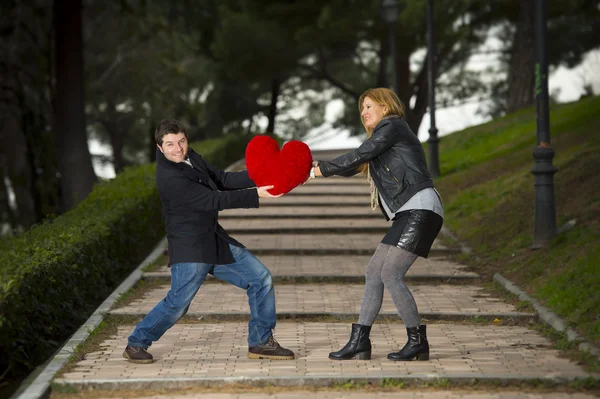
414, 231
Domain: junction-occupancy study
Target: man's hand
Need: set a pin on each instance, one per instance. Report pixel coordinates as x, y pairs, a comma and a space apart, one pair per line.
263, 193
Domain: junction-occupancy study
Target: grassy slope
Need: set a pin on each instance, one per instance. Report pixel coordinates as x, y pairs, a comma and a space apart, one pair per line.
488, 193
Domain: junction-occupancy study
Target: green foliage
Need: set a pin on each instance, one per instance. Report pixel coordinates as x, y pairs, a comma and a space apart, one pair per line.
55, 274
223, 151
503, 136
488, 191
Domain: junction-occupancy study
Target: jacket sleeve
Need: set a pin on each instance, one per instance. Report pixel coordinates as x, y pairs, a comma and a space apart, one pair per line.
384, 136
202, 198
229, 180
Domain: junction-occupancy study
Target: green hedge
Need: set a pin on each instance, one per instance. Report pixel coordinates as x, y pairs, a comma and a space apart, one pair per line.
56, 274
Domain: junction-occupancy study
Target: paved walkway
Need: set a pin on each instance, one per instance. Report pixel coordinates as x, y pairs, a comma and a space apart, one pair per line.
316, 242
435, 301
346, 267
377, 395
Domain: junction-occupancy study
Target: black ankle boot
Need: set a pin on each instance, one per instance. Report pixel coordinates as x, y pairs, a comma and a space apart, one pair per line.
359, 346
417, 346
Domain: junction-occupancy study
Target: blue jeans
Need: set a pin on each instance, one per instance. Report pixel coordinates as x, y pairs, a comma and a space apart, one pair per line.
246, 272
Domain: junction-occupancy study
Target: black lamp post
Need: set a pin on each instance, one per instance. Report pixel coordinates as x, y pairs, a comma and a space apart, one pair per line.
543, 170
389, 11
434, 157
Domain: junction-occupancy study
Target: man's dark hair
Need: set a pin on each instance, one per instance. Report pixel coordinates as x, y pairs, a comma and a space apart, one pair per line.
168, 126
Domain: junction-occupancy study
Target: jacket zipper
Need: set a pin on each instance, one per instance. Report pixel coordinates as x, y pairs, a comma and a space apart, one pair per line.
388, 169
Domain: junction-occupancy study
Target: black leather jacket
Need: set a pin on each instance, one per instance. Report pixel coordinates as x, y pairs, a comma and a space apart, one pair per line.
396, 159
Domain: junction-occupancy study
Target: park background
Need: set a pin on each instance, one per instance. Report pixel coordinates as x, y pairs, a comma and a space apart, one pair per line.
83, 85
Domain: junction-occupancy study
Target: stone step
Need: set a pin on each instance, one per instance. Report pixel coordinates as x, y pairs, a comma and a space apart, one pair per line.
330, 192
321, 241
359, 393
301, 202
355, 211
285, 217
342, 230
318, 200
216, 354
444, 301
316, 223
331, 189
346, 269
341, 181
322, 244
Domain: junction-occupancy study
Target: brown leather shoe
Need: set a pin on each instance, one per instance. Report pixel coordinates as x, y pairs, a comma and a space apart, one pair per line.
137, 354
270, 350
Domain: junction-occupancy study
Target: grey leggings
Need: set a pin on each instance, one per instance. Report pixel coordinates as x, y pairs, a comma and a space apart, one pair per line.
387, 268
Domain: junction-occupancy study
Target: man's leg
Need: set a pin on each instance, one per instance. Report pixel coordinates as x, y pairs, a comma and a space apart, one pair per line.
186, 279
249, 273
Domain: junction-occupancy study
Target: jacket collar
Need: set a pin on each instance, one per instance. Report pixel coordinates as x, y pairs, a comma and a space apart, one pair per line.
161, 159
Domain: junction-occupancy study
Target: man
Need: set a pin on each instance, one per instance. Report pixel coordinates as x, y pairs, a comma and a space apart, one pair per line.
193, 192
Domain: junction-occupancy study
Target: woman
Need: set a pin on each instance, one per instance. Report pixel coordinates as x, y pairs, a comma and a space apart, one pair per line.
394, 161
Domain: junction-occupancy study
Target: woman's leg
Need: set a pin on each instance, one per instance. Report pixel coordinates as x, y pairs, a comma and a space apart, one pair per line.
397, 263
373, 295
359, 345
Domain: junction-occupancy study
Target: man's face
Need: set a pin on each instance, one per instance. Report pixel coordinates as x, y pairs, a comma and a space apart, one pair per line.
174, 146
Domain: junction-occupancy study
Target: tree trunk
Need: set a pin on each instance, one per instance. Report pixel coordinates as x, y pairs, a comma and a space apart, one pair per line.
522, 63
403, 79
383, 54
18, 171
152, 142
7, 220
275, 88
117, 141
74, 160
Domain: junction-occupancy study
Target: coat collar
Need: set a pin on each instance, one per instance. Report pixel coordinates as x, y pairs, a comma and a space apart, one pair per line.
192, 155
198, 173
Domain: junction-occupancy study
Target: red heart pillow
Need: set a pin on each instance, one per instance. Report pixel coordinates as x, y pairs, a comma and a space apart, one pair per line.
283, 169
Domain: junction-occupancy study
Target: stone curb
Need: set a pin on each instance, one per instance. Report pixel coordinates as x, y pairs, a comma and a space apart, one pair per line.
546, 315
315, 380
463, 248
39, 387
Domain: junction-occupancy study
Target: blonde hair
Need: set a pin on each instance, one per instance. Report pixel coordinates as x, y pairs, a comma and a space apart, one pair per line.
385, 98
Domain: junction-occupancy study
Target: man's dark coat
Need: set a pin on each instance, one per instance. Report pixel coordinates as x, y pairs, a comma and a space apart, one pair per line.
192, 199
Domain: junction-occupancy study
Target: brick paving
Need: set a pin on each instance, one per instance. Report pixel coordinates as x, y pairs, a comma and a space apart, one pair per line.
345, 266
325, 299
214, 351
218, 352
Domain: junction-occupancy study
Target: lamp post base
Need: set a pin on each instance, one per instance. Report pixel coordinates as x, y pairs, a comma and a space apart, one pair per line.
545, 209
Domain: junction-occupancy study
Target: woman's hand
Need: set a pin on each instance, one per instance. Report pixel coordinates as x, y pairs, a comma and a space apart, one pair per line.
263, 193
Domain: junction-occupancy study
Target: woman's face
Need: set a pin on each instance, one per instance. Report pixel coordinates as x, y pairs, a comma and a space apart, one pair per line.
372, 112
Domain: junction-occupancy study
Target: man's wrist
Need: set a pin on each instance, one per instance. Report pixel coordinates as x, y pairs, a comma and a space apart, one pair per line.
312, 173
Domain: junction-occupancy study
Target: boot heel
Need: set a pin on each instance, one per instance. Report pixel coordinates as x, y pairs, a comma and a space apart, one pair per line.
423, 356
363, 356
